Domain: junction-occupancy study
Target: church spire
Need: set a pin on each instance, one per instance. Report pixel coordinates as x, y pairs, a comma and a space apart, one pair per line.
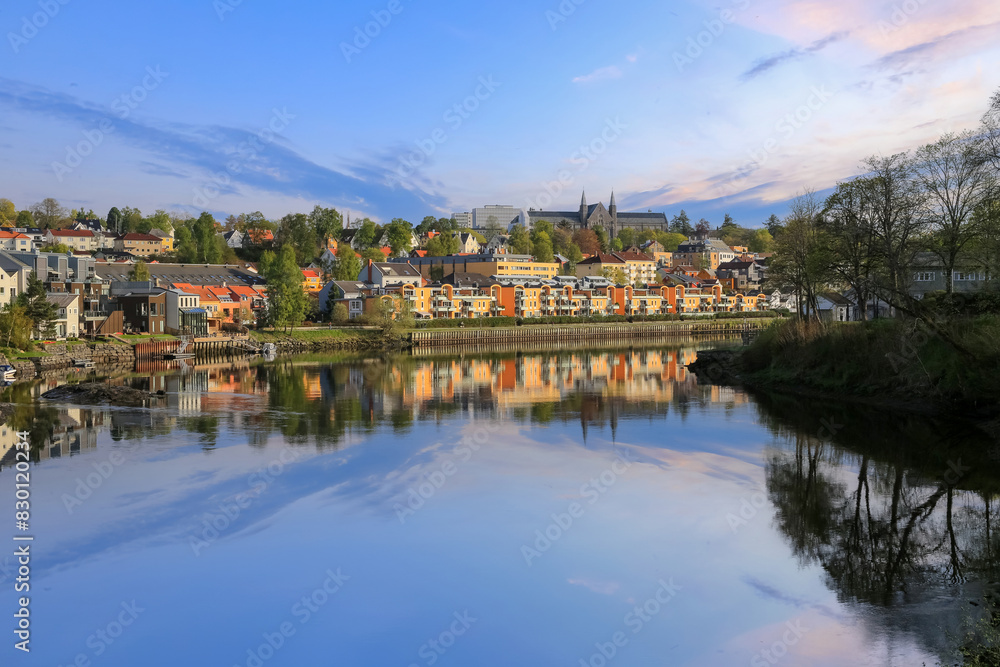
613, 199
583, 211
583, 199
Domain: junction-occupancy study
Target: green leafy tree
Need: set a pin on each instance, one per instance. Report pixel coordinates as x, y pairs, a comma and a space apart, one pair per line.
373, 254
15, 326
208, 243
543, 247
115, 220
681, 224
131, 219
38, 308
617, 276
8, 212
399, 233
366, 235
627, 237
25, 219
286, 295
159, 220
295, 232
327, 223
338, 313
139, 272
442, 245
60, 248
348, 265
602, 238
670, 240
429, 223
616, 245
519, 241
185, 246
762, 241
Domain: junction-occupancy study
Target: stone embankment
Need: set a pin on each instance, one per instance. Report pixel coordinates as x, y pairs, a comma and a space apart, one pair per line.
61, 356
97, 393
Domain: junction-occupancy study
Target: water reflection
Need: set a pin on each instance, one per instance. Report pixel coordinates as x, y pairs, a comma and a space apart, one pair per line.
877, 532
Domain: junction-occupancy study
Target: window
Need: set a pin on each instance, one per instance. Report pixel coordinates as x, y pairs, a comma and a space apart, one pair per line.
924, 276
964, 275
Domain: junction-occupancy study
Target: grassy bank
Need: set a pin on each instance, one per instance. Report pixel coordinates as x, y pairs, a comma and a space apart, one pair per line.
312, 335
894, 359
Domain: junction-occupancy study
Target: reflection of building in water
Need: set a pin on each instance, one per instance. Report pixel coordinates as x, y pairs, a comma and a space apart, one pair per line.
74, 432
8, 440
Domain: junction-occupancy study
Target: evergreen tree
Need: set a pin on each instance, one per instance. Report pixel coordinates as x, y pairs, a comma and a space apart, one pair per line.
38, 308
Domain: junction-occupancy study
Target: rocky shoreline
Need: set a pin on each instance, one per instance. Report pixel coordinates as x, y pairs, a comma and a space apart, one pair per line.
98, 393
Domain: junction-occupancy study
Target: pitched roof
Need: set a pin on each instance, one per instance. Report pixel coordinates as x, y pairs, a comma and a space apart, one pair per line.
136, 236
396, 269
12, 235
81, 233
630, 256
602, 258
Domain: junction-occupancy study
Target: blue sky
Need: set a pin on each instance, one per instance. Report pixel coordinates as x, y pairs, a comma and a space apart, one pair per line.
197, 105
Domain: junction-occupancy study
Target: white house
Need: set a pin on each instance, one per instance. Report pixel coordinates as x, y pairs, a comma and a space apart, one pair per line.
390, 274
15, 241
68, 314
83, 240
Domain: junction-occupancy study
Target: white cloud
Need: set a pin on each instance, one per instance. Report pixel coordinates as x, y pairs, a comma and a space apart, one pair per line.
600, 74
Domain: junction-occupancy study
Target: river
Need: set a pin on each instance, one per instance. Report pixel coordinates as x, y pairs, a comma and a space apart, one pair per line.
575, 507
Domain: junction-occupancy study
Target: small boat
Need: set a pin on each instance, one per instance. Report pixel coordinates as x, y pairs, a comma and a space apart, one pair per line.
83, 363
9, 373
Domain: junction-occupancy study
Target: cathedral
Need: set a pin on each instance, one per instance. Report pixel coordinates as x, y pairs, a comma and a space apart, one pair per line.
596, 215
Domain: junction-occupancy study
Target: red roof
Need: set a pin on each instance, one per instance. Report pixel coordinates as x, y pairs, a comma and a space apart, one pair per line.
309, 273
12, 235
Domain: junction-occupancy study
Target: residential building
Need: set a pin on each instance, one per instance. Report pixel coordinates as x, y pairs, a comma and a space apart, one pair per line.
350, 293
67, 322
194, 274
15, 241
74, 239
740, 274
703, 252
256, 237
166, 240
184, 313
929, 275
140, 245
497, 245
311, 280
525, 266
467, 243
389, 274
234, 239
144, 310
637, 267
13, 278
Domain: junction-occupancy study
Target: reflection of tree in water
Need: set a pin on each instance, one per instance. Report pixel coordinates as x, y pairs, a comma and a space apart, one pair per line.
915, 520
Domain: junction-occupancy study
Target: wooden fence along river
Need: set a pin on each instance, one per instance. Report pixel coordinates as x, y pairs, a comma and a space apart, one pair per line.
590, 332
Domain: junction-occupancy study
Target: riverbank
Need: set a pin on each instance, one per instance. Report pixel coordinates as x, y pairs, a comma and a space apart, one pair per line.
321, 340
892, 363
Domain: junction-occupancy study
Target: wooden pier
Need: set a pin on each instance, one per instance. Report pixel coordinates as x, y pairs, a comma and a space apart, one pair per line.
513, 336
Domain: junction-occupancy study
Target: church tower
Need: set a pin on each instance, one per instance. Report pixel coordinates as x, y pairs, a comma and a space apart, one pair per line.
613, 210
583, 210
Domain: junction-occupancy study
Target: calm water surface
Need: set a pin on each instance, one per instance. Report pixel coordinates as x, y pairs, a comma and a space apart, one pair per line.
544, 508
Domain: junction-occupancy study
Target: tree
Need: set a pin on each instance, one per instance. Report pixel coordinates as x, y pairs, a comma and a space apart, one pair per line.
617, 276
399, 233
185, 246
131, 219
617, 245
209, 245
115, 220
587, 241
48, 213
60, 248
543, 248
602, 238
159, 220
139, 272
427, 224
442, 245
773, 225
25, 219
847, 221
704, 227
991, 131
957, 181
681, 224
348, 265
366, 235
519, 241
896, 204
338, 313
295, 232
327, 223
761, 241
286, 294
8, 212
801, 259
373, 254
15, 326
670, 240
627, 237
38, 308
